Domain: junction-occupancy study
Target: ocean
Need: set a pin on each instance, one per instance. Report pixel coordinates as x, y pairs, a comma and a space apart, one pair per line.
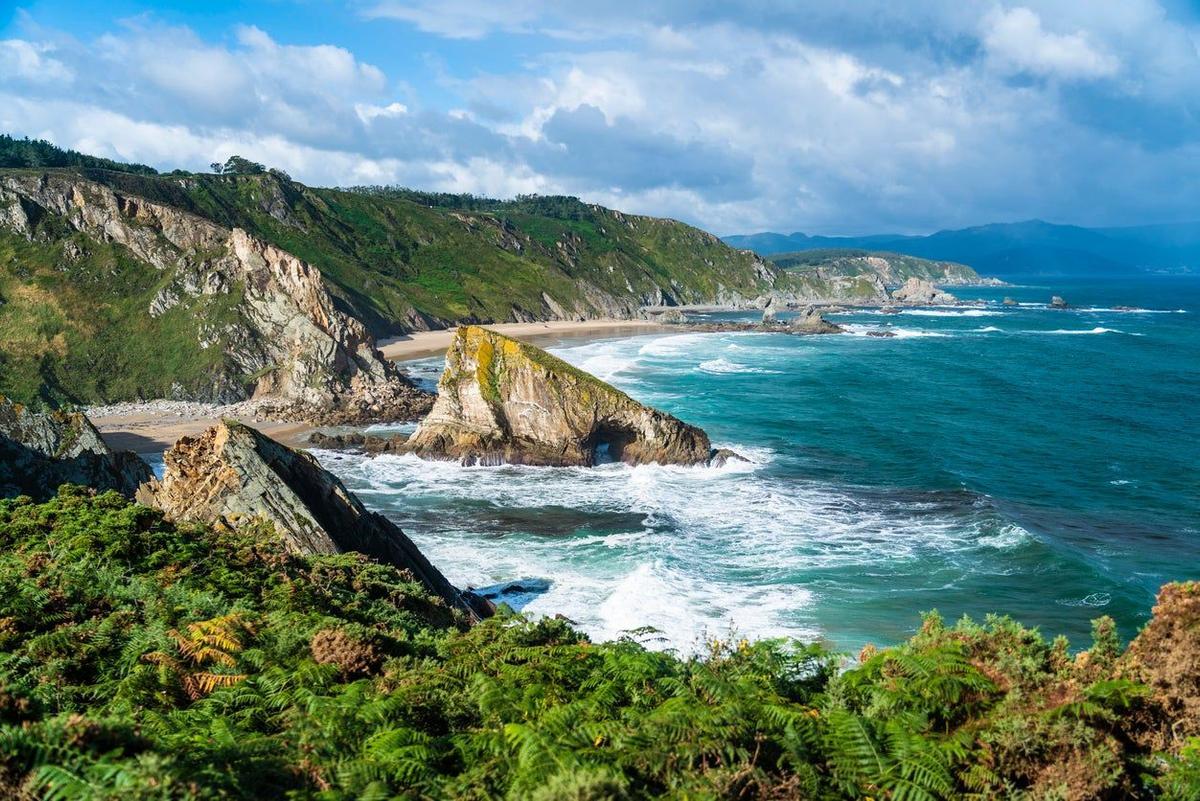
1034, 462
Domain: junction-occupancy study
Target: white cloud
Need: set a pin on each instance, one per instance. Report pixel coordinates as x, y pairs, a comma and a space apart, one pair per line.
1016, 40
369, 111
31, 62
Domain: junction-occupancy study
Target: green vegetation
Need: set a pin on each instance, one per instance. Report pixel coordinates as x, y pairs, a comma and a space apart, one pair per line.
36, 153
855, 261
75, 325
140, 660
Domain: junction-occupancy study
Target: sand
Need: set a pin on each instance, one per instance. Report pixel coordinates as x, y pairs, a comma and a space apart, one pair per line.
152, 427
431, 343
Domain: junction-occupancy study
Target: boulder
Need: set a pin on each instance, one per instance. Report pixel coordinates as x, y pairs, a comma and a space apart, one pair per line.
810, 321
232, 475
504, 401
40, 451
771, 311
921, 292
1056, 302
1009, 302
672, 317
357, 441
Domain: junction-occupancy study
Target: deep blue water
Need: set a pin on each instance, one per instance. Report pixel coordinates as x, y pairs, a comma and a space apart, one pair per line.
1031, 461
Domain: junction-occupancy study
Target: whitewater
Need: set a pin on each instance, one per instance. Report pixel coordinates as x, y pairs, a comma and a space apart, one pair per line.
1042, 464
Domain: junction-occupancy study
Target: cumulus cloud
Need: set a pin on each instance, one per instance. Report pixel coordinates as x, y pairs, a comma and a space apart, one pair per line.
820, 116
1016, 39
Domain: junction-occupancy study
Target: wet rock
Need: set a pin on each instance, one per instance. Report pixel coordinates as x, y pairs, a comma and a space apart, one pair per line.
724, 456
1009, 302
357, 441
1057, 302
810, 321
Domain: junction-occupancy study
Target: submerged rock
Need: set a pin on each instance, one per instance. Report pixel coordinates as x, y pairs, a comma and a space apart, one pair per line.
1056, 302
920, 291
1009, 301
233, 475
503, 401
810, 321
40, 451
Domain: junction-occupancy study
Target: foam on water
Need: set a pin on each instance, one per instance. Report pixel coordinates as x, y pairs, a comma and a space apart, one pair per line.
944, 313
860, 330
1071, 331
722, 365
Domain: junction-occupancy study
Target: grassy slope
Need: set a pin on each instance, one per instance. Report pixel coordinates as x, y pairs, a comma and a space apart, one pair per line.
143, 661
848, 261
387, 255
77, 327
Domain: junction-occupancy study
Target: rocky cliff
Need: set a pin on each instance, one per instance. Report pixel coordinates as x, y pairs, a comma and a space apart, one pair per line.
259, 316
38, 452
919, 292
504, 401
232, 475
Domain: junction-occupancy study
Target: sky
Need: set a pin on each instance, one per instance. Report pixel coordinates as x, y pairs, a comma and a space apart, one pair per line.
822, 116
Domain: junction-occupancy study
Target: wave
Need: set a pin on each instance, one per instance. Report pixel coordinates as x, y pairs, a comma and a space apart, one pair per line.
860, 330
961, 313
988, 329
1078, 331
690, 551
722, 366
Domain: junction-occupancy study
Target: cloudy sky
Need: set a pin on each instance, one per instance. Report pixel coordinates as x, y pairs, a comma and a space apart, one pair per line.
822, 116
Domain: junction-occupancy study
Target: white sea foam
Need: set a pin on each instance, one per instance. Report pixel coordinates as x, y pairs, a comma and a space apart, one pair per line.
988, 329
721, 366
1072, 331
860, 330
959, 313
700, 551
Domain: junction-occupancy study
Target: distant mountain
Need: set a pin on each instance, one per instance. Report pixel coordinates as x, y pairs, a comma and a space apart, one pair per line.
1031, 248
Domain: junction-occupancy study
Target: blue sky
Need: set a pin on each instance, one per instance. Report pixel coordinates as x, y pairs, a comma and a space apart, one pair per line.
826, 117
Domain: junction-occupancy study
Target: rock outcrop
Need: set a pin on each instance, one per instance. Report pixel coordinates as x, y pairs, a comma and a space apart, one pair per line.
1166, 657
810, 321
920, 291
503, 401
1057, 302
284, 337
40, 451
357, 441
232, 475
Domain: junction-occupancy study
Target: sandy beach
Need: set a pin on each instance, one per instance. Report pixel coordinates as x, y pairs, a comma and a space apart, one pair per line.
152, 427
430, 343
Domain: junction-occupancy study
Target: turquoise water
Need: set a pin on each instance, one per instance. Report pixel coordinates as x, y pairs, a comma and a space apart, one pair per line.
1037, 462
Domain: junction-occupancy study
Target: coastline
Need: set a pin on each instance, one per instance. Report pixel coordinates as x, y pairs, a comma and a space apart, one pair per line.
421, 344
154, 426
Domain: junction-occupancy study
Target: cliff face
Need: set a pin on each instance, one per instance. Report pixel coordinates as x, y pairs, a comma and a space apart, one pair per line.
232, 474
260, 316
503, 401
38, 452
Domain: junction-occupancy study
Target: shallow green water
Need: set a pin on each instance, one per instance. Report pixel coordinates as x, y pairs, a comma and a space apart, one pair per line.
1019, 459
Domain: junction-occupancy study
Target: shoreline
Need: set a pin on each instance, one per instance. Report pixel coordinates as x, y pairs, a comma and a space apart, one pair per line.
152, 427
421, 344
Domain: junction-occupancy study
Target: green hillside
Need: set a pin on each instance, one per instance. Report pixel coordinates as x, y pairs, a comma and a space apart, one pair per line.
140, 660
894, 268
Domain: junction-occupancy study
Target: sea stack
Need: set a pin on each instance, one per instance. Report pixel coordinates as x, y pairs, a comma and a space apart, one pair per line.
1057, 302
501, 401
232, 475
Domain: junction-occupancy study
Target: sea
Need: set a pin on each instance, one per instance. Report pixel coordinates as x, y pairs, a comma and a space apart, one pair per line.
1011, 459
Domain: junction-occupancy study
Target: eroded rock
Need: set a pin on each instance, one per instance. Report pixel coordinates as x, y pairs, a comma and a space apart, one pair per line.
920, 291
232, 475
503, 401
810, 321
40, 451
